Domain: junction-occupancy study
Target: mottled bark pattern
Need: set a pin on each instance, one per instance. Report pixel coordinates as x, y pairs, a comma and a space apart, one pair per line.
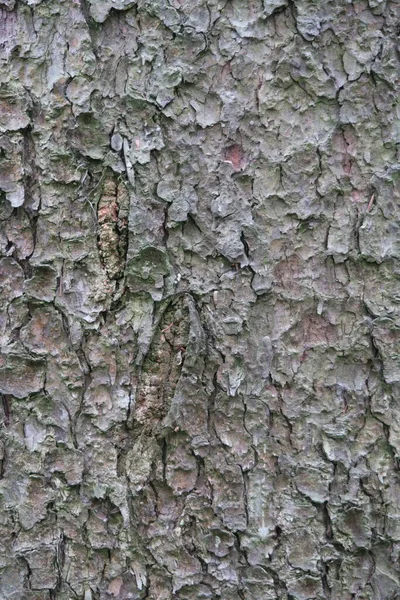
200, 306
161, 369
112, 219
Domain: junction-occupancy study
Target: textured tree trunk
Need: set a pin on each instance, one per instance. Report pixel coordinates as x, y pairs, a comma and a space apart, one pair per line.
200, 300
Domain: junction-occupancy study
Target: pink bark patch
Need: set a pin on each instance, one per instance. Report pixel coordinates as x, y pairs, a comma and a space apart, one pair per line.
235, 155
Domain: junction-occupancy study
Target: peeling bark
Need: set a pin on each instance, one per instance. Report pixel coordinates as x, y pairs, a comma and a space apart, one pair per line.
200, 307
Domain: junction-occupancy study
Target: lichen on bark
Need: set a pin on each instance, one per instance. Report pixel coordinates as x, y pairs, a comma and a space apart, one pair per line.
199, 308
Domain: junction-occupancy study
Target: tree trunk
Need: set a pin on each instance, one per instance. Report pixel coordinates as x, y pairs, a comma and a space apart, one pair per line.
200, 300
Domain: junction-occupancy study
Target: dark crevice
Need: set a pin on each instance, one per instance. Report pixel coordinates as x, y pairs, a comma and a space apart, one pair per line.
91, 25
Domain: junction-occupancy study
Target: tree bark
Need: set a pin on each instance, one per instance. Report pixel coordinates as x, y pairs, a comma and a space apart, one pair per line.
200, 300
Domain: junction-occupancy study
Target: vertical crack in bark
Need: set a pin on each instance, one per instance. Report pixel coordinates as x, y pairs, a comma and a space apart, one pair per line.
112, 217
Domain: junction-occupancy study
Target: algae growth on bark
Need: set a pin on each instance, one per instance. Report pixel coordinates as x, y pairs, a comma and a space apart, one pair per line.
200, 300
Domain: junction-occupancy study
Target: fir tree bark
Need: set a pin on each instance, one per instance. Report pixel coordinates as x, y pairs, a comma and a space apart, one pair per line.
200, 300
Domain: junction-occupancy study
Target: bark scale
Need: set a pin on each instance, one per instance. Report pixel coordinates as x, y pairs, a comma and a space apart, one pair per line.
200, 301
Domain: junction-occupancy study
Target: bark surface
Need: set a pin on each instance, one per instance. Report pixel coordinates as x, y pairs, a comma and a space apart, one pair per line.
200, 300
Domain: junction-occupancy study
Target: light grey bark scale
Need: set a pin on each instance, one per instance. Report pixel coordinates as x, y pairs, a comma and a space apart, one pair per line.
200, 300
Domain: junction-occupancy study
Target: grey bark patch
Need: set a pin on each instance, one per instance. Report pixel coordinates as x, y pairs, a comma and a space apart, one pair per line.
20, 376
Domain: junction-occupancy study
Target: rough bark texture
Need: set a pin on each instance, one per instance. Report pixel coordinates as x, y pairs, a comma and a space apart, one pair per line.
200, 300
